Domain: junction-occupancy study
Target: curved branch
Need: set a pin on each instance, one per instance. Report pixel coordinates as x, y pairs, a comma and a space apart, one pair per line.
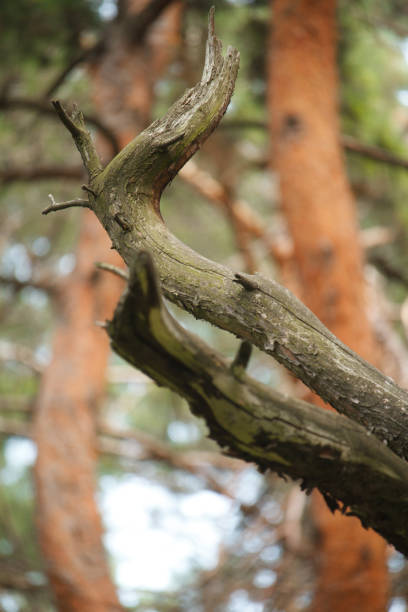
256, 423
55, 206
252, 307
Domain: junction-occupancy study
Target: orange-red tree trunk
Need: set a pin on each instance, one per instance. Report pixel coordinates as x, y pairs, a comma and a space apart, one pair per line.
69, 525
123, 78
321, 217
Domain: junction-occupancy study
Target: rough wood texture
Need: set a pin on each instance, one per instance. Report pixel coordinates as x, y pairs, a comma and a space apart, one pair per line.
125, 197
254, 422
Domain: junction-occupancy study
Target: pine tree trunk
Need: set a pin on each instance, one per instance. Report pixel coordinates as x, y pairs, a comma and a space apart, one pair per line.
321, 218
69, 524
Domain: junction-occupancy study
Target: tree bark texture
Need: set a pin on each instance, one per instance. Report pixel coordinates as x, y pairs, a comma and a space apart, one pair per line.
69, 524
320, 212
125, 196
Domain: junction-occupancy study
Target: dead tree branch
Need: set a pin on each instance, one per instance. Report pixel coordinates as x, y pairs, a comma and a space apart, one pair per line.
253, 422
256, 423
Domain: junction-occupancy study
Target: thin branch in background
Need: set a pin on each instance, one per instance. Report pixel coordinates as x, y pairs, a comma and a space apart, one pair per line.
138, 446
54, 206
136, 28
116, 441
81, 58
13, 427
351, 144
39, 173
388, 269
43, 107
16, 403
246, 221
375, 153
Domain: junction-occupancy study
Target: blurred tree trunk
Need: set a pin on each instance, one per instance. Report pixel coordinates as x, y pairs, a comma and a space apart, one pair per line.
72, 387
124, 75
321, 217
69, 524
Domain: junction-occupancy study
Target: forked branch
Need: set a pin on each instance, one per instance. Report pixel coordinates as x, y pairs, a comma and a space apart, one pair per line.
250, 420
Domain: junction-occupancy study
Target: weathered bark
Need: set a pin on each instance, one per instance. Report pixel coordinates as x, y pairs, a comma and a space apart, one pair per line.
320, 212
125, 197
69, 524
253, 421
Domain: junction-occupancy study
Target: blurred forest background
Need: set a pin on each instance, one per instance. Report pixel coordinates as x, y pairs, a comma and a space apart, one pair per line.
185, 528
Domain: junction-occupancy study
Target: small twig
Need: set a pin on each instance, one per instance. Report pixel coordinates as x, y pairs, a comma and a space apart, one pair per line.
61, 205
89, 190
122, 222
246, 281
113, 269
242, 358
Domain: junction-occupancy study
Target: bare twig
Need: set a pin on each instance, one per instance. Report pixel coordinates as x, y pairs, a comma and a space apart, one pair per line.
242, 358
62, 205
113, 269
